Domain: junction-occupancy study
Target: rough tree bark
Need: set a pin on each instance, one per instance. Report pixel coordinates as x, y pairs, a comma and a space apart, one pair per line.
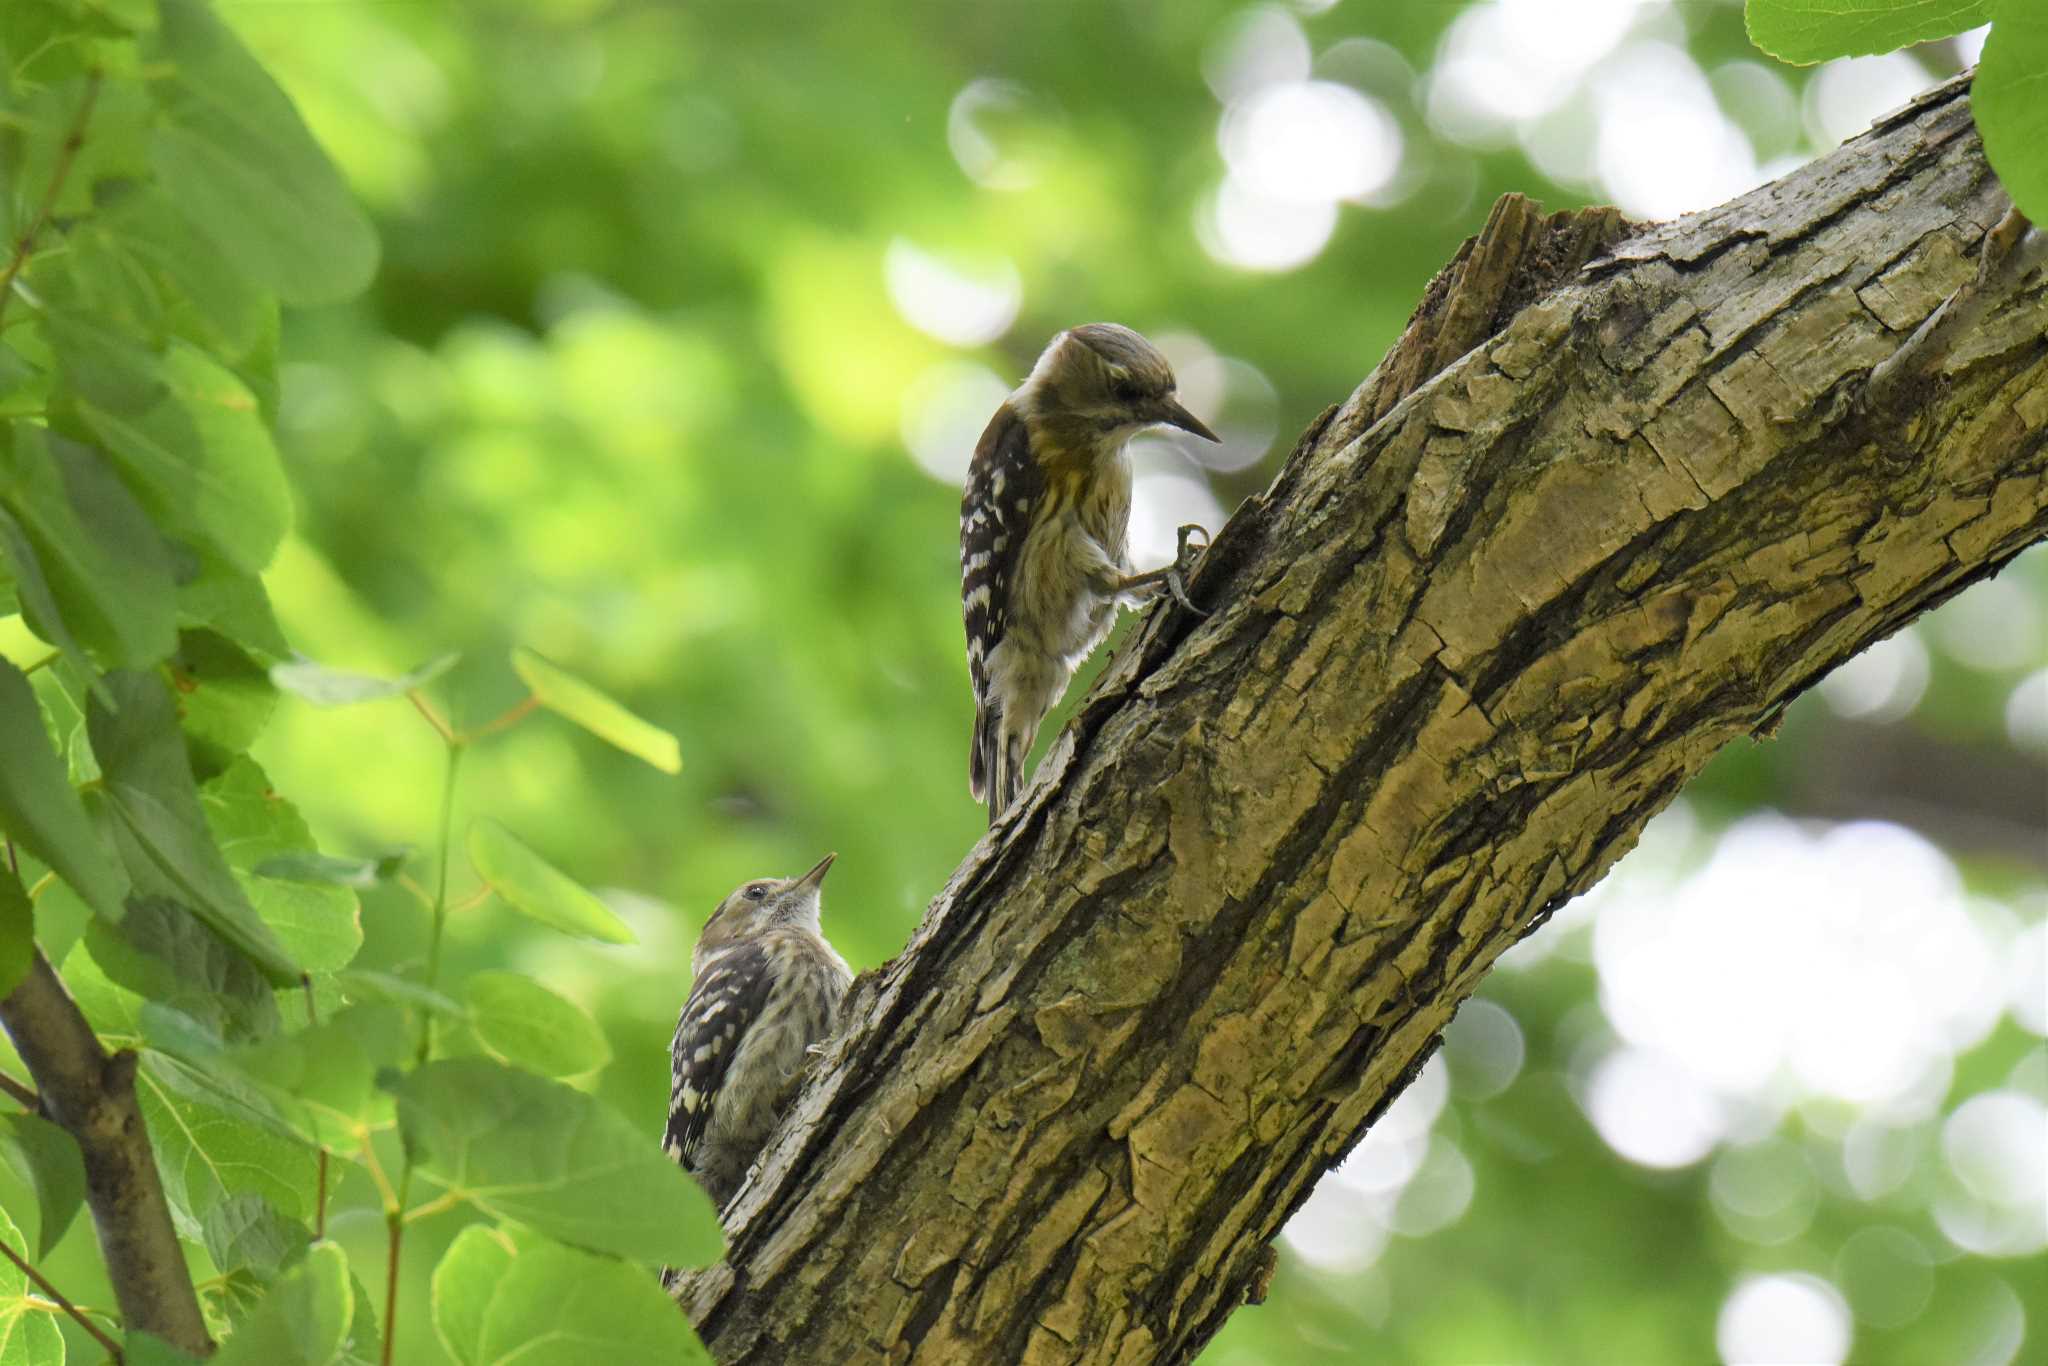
1562, 546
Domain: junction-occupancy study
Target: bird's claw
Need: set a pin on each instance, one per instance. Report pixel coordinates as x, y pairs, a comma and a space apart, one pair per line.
1185, 558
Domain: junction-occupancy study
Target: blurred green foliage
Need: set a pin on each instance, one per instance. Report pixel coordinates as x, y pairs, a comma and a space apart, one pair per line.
629, 390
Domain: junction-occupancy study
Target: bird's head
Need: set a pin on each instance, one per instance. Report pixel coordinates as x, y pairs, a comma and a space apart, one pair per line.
1108, 378
764, 904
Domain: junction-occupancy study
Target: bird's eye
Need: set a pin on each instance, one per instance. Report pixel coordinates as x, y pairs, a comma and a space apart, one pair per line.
1126, 391
756, 890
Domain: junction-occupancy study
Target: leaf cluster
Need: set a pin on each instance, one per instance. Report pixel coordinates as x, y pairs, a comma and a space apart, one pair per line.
161, 201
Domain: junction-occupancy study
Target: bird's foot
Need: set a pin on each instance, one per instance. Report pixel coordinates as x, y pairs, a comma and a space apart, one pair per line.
1185, 558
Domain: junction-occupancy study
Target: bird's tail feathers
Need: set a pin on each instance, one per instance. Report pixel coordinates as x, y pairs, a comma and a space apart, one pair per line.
981, 754
995, 765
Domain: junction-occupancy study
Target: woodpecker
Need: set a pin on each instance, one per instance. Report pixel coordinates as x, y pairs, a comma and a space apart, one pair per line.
1044, 534
767, 993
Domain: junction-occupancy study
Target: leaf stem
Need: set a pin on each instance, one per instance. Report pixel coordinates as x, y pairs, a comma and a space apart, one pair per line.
30, 1101
57, 1298
376, 1170
320, 1198
394, 1222
395, 1216
67, 154
434, 718
509, 718
440, 1204
441, 882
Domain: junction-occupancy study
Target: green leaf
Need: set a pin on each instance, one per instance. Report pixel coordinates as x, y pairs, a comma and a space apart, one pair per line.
539, 1152
325, 687
150, 227
104, 572
363, 1346
247, 1231
1805, 31
470, 1270
536, 888
555, 1306
159, 822
322, 1078
33, 594
169, 957
236, 159
42, 1160
211, 1144
224, 699
39, 809
521, 1022
320, 925
189, 439
303, 1321
28, 1333
365, 984
17, 931
2010, 97
226, 600
570, 697
301, 865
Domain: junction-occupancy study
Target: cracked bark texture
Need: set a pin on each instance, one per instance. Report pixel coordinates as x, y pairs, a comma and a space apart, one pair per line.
1583, 527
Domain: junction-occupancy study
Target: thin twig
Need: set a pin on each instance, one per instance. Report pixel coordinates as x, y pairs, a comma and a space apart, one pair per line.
26, 1095
67, 154
57, 1298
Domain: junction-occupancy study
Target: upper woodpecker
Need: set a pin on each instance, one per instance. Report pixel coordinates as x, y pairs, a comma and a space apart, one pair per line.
1044, 531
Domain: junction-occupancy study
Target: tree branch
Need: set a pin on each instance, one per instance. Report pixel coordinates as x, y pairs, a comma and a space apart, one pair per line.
92, 1095
1492, 615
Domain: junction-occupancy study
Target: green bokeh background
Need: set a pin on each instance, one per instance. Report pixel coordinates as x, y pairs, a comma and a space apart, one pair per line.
629, 391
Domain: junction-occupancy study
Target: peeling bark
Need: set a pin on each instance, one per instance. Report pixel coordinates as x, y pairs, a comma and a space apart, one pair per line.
1583, 527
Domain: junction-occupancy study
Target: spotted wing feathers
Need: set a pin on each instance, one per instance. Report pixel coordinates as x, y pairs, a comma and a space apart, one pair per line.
1003, 486
725, 1001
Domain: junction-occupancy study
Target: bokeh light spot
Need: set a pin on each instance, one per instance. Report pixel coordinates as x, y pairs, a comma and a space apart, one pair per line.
1775, 1320
1243, 229
1484, 1050
1881, 685
966, 304
944, 412
1652, 1111
1310, 142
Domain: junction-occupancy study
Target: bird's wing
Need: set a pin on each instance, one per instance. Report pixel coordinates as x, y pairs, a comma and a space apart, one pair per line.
724, 1003
1003, 485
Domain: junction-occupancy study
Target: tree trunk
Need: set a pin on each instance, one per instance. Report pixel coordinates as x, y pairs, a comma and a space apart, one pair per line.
1582, 528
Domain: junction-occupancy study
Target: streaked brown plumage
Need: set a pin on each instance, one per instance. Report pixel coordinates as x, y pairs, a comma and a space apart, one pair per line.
767, 990
1044, 534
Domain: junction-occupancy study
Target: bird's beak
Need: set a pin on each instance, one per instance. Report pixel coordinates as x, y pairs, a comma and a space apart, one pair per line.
1171, 412
809, 881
